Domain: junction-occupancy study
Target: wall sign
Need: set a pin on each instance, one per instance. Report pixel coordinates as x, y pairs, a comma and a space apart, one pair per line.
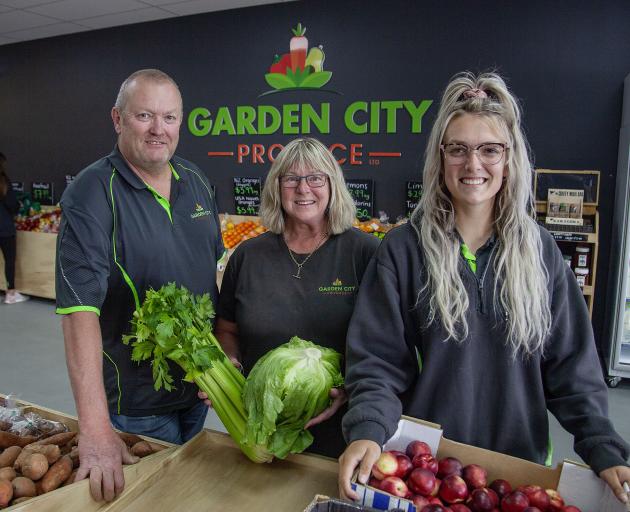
362, 191
17, 186
43, 192
247, 195
413, 194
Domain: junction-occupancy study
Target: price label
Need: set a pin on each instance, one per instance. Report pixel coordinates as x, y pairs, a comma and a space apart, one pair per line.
247, 195
69, 179
42, 192
413, 193
17, 186
362, 192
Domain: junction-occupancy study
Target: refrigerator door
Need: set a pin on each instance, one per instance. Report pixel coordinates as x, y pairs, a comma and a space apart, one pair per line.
618, 356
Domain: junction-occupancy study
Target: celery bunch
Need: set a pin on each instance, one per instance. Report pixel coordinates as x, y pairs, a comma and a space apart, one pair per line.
175, 324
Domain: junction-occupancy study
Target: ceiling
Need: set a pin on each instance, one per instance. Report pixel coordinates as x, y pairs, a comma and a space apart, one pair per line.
25, 20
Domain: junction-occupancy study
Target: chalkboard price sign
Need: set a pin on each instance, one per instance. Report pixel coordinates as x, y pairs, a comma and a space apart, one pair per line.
362, 191
42, 192
17, 186
246, 195
413, 194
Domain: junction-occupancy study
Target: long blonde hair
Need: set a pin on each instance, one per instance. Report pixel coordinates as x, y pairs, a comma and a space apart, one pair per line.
519, 266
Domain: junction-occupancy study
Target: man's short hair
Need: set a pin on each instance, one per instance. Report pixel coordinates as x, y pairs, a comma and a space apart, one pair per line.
153, 75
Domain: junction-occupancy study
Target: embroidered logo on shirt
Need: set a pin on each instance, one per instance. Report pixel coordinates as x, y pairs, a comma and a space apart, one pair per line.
337, 288
199, 212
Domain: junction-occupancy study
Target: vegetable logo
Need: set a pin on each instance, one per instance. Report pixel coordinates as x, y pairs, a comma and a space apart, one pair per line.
337, 282
198, 207
301, 68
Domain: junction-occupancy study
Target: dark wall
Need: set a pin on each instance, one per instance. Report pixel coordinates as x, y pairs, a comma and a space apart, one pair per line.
566, 60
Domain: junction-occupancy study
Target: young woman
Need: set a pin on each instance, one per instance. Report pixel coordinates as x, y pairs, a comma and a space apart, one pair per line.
468, 316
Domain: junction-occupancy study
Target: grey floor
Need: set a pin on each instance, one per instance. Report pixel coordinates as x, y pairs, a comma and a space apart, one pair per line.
32, 367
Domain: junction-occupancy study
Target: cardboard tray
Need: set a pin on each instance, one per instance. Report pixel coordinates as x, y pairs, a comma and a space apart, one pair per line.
76, 497
577, 484
210, 472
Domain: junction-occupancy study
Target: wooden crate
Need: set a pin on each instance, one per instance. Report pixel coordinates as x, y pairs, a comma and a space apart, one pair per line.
76, 497
210, 473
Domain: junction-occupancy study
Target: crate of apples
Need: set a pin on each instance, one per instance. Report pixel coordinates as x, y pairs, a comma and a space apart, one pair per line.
446, 485
234, 234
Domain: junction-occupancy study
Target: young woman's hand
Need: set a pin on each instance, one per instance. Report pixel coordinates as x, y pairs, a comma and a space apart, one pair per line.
360, 453
615, 477
339, 398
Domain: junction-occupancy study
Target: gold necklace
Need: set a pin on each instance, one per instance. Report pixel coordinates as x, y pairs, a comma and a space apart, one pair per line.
300, 265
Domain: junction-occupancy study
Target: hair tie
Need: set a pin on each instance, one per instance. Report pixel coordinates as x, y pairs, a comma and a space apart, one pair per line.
474, 93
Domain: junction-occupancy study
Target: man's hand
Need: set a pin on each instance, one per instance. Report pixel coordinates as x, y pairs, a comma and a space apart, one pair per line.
615, 477
360, 453
102, 456
339, 398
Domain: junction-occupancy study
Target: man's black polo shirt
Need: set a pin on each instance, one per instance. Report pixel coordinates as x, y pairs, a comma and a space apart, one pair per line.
119, 237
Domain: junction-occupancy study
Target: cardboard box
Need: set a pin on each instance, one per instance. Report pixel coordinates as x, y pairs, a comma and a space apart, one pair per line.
210, 472
76, 497
575, 482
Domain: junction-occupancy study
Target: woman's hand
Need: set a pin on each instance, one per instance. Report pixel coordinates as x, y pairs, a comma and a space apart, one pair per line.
615, 477
360, 453
203, 396
339, 398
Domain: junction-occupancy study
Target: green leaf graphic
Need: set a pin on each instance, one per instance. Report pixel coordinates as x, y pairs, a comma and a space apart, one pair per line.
316, 80
279, 81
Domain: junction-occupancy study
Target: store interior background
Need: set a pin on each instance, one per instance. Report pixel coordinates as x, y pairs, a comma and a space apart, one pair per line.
565, 60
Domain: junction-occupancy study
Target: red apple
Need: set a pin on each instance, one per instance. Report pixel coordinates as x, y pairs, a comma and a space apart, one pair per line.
475, 476
417, 448
449, 466
426, 461
453, 489
459, 507
419, 501
436, 489
516, 501
556, 503
386, 465
421, 481
404, 465
536, 495
433, 508
434, 500
374, 482
571, 508
394, 485
483, 500
501, 487
532, 509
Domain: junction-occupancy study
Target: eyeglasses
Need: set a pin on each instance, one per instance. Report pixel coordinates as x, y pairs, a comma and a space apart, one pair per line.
489, 152
312, 180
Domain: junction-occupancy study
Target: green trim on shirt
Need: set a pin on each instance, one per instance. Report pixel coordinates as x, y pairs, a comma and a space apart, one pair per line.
164, 203
549, 458
74, 309
470, 258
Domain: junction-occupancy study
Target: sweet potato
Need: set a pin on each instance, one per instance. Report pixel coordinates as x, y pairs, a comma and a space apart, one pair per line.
58, 439
70, 479
8, 439
35, 466
6, 493
141, 449
57, 474
74, 455
129, 439
8, 456
23, 486
51, 451
7, 474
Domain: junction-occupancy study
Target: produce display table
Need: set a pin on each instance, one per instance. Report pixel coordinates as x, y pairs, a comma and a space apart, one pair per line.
34, 264
211, 473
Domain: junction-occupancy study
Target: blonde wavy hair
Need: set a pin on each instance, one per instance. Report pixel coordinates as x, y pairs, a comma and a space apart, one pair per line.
307, 153
522, 275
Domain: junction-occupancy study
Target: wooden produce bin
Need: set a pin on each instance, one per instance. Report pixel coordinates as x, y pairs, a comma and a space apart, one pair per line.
34, 264
76, 497
210, 472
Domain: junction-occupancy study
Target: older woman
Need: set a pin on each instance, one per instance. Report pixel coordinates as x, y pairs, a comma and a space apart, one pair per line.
468, 316
301, 277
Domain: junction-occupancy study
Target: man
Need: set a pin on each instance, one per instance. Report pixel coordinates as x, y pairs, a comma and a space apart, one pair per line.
138, 218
